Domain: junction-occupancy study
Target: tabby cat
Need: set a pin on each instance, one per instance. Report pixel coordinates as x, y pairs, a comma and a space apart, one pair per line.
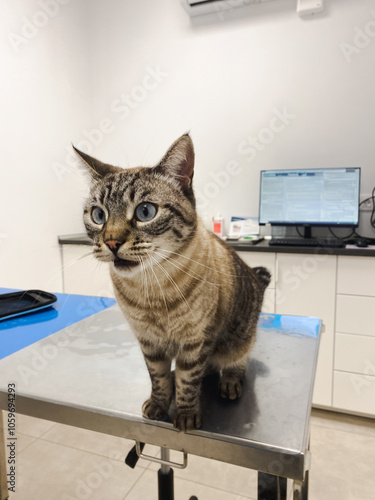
186, 294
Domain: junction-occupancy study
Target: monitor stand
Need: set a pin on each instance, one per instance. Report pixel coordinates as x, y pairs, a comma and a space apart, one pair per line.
307, 231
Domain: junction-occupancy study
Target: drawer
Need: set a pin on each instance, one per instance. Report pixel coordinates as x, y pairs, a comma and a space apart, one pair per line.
355, 353
354, 393
265, 259
356, 275
355, 314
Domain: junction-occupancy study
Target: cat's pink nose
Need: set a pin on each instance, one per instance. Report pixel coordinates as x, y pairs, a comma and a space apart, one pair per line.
114, 245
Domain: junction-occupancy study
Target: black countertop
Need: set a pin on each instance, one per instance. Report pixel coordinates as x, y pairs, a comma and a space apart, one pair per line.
262, 246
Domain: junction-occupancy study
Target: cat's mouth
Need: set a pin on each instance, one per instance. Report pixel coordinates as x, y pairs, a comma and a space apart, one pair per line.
124, 263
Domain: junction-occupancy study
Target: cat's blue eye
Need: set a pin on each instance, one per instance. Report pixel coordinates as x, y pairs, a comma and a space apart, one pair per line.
98, 215
145, 212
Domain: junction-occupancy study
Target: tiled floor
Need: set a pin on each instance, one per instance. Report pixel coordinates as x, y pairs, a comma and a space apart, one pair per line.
57, 462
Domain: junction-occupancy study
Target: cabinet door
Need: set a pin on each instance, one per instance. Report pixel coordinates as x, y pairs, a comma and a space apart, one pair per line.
356, 275
306, 286
265, 259
355, 393
83, 274
355, 314
355, 353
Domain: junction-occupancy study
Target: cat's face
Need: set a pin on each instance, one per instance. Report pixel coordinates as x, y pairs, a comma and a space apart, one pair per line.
137, 217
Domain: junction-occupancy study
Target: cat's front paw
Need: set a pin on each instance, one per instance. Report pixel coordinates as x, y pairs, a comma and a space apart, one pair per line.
187, 419
153, 410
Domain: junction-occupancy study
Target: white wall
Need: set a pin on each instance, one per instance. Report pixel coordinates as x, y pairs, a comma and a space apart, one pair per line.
225, 78
45, 99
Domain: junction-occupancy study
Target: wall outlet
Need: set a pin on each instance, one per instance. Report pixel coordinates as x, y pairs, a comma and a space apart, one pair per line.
366, 206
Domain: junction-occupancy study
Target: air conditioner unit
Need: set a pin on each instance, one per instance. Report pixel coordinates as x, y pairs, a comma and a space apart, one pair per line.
200, 7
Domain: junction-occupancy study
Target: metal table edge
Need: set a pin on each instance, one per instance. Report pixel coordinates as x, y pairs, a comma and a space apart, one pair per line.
306, 437
286, 463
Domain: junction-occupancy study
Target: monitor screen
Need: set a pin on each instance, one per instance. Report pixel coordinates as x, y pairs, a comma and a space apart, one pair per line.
321, 197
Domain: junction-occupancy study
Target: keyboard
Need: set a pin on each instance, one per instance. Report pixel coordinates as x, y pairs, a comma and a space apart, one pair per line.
307, 242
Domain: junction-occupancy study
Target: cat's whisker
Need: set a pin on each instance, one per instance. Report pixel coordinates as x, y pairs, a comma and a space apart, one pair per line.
177, 288
148, 279
145, 282
161, 289
71, 262
142, 274
196, 277
62, 267
99, 263
65, 266
200, 263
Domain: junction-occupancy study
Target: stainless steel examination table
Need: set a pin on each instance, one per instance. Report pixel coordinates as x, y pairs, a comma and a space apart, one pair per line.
94, 377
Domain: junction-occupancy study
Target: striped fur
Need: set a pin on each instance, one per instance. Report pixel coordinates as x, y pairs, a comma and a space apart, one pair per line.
186, 294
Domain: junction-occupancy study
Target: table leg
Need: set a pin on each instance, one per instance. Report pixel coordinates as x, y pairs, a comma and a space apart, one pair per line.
271, 487
301, 488
165, 478
3, 465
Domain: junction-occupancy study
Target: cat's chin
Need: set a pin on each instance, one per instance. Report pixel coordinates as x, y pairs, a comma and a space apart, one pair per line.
125, 267
125, 264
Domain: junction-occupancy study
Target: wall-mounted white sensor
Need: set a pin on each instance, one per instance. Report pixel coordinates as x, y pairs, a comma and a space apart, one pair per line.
309, 7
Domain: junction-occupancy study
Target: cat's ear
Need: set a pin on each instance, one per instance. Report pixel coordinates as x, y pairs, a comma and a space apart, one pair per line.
97, 169
178, 161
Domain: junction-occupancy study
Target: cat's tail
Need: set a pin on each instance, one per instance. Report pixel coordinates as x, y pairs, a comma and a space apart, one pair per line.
263, 275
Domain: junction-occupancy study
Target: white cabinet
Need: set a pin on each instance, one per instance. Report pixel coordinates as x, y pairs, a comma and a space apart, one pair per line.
354, 393
306, 286
265, 259
83, 274
356, 276
354, 370
355, 314
355, 354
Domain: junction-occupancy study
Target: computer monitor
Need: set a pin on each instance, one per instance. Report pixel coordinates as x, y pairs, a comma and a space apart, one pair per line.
310, 197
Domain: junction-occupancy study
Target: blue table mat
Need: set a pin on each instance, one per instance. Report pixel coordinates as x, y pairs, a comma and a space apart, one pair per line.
17, 333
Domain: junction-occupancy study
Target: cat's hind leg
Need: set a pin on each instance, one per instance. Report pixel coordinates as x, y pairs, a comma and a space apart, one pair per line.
231, 357
231, 380
232, 367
